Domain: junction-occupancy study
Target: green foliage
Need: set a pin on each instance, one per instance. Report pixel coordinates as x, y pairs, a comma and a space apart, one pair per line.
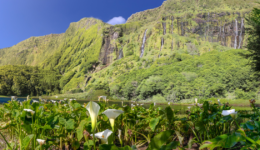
208, 125
159, 140
254, 38
26, 80
181, 76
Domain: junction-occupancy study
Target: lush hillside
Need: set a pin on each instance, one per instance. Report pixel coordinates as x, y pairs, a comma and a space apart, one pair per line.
179, 76
135, 60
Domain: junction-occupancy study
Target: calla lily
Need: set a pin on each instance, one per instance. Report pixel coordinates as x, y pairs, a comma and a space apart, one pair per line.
27, 97
35, 101
120, 136
41, 142
93, 109
169, 103
14, 97
103, 136
29, 110
219, 102
112, 114
231, 112
119, 133
154, 103
189, 107
196, 100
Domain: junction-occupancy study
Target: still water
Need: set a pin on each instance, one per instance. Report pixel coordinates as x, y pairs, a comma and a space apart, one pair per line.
180, 108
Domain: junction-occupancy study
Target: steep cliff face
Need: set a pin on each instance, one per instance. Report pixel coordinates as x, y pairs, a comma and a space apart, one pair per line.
109, 51
179, 21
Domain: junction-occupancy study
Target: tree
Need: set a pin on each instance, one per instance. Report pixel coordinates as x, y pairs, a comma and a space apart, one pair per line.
253, 44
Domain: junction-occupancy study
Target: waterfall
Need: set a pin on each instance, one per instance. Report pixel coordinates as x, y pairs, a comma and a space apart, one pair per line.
120, 54
182, 28
172, 33
162, 41
235, 43
142, 48
208, 26
164, 30
240, 36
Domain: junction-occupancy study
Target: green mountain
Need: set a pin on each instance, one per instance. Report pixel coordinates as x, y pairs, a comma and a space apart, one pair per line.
180, 50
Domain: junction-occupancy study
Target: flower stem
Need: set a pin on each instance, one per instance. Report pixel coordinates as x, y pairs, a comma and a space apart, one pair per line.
94, 139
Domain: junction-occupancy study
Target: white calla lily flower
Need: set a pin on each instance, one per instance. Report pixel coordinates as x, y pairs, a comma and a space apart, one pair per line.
119, 133
103, 136
154, 103
219, 102
29, 110
112, 114
230, 112
41, 142
196, 100
93, 109
120, 136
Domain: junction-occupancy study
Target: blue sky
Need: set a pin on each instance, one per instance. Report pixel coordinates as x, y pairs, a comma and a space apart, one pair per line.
21, 19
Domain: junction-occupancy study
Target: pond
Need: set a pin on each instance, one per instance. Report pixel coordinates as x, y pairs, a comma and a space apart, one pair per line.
180, 108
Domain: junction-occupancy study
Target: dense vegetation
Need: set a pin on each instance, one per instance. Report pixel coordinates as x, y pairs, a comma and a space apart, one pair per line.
69, 125
27, 80
180, 76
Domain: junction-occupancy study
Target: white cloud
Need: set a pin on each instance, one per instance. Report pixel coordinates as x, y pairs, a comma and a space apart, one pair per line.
117, 20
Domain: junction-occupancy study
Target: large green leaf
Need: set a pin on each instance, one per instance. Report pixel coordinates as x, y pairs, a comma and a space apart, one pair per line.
80, 129
125, 148
62, 120
223, 141
107, 147
170, 146
159, 140
69, 125
180, 137
153, 123
26, 141
169, 113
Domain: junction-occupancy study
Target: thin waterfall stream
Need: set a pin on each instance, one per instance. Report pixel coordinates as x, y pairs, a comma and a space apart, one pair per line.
240, 36
143, 44
162, 40
120, 54
236, 31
